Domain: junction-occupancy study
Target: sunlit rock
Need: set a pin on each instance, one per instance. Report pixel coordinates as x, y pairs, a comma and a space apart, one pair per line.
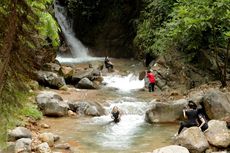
217, 104
165, 112
193, 139
171, 149
218, 134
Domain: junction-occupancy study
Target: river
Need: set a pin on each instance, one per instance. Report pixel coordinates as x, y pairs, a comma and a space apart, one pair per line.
123, 89
99, 134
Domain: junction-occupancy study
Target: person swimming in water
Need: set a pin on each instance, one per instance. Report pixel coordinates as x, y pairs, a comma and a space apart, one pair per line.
116, 114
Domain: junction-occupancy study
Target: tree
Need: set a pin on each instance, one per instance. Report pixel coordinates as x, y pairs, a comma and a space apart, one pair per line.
198, 25
24, 28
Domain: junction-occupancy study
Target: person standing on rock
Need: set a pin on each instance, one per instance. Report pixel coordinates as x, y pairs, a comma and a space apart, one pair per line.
152, 80
116, 114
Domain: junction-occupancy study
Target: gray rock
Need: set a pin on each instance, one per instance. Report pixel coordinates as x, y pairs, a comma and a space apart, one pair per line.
43, 148
66, 71
23, 145
193, 139
171, 149
80, 75
165, 112
85, 83
45, 97
217, 104
53, 67
87, 108
50, 79
52, 104
18, 133
47, 137
92, 111
218, 134
62, 146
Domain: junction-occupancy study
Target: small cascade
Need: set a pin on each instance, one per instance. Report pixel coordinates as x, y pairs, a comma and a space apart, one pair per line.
124, 83
121, 135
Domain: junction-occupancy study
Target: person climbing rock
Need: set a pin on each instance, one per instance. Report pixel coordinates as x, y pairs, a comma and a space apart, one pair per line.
116, 114
152, 81
190, 113
195, 118
108, 63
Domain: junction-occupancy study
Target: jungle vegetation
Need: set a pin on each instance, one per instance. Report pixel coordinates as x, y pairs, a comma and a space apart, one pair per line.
188, 26
27, 31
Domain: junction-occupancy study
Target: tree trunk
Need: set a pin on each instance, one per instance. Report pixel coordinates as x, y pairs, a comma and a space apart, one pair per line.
8, 41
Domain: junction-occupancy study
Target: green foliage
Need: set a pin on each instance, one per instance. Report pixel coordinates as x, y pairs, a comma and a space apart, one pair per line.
154, 14
25, 26
191, 25
30, 110
47, 25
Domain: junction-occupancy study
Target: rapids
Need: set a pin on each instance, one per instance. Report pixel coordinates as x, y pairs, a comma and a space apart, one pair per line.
101, 135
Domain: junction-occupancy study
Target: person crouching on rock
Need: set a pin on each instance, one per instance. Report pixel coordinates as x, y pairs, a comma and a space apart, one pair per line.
116, 114
108, 63
191, 114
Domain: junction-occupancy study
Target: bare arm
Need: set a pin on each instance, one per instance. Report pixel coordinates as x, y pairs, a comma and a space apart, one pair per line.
184, 113
202, 121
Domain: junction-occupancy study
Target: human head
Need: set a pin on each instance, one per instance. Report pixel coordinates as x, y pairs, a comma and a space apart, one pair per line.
115, 109
191, 104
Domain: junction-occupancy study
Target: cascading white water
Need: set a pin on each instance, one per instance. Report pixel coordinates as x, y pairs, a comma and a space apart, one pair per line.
78, 50
124, 83
121, 135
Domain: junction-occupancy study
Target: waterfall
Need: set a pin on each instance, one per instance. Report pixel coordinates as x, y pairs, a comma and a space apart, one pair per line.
78, 50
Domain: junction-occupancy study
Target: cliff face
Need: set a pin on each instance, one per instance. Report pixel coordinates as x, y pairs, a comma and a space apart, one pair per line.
105, 26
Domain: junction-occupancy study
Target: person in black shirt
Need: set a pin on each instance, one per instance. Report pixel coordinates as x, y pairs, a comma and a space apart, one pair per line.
108, 63
195, 117
116, 114
191, 114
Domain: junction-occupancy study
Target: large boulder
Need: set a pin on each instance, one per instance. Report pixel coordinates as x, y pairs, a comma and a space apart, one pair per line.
52, 104
165, 112
18, 133
171, 149
85, 83
23, 145
193, 139
80, 75
50, 79
87, 108
218, 134
216, 104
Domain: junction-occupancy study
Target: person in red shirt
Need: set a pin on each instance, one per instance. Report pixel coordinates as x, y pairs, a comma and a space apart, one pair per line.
152, 80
